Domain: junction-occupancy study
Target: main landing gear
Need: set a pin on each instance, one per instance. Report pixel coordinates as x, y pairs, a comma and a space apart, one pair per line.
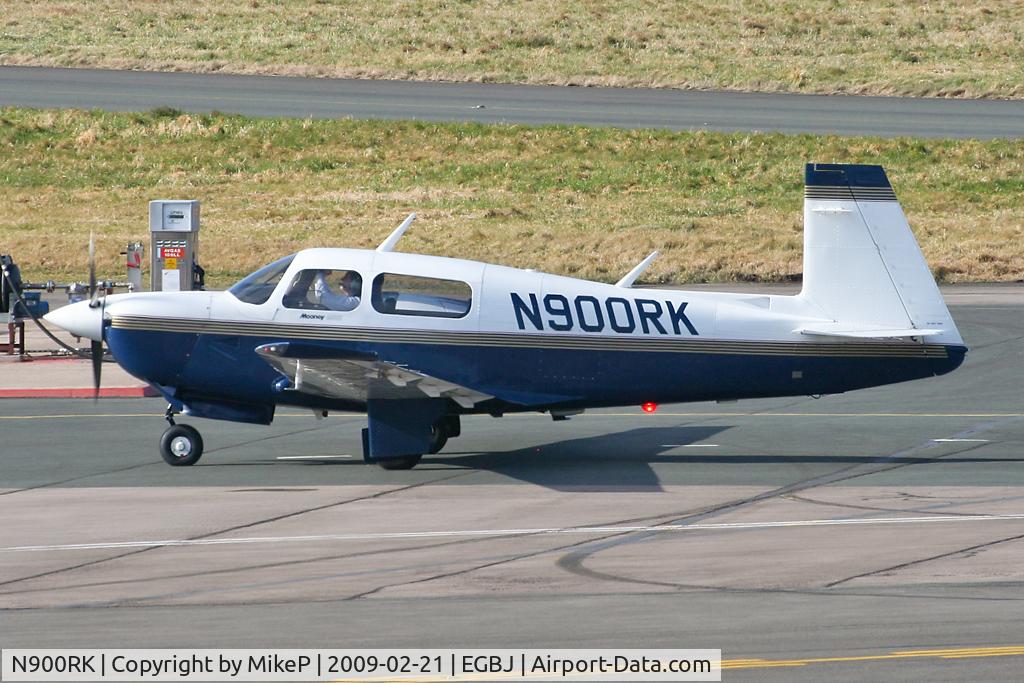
181, 445
446, 427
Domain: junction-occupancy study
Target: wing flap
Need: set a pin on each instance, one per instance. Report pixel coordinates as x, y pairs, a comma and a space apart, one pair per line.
360, 377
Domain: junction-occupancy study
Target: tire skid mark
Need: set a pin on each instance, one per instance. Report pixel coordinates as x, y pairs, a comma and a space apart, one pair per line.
492, 561
237, 527
926, 510
574, 562
923, 560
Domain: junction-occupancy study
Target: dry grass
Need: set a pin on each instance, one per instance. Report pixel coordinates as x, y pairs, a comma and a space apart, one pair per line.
577, 201
936, 48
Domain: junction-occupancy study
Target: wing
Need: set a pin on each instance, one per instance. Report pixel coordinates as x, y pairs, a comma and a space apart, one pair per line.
358, 377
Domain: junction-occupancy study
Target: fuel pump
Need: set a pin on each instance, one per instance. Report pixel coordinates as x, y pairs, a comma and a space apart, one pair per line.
174, 235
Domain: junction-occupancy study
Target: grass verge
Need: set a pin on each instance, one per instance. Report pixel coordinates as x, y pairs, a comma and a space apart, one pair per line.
936, 48
577, 201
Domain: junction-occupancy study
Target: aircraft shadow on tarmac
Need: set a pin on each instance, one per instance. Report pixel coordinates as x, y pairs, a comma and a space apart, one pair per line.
620, 461
623, 461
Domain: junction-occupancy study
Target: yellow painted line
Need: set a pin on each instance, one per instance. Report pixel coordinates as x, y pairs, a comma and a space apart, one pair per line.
958, 651
953, 653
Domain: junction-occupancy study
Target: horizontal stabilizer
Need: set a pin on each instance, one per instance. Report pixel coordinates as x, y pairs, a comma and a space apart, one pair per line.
841, 330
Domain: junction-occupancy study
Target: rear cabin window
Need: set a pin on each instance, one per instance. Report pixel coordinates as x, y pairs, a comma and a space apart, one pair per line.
396, 294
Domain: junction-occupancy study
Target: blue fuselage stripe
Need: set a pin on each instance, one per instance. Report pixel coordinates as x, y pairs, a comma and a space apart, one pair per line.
226, 366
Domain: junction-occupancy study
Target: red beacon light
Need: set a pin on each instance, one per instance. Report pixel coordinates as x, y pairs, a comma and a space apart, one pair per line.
649, 407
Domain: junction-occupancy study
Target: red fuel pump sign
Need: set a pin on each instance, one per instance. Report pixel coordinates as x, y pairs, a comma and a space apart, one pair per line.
171, 252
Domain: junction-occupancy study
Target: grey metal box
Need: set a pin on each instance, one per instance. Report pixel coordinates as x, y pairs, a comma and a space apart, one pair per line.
167, 215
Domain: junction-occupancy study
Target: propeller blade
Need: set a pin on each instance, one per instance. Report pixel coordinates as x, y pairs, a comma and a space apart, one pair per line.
97, 366
92, 271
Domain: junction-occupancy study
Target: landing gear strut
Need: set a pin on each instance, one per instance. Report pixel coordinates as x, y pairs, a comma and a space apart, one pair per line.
181, 445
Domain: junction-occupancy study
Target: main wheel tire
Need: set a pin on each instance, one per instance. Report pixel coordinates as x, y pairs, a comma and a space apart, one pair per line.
438, 436
406, 462
181, 446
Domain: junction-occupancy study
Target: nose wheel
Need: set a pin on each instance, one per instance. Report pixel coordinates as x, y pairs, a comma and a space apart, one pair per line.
181, 445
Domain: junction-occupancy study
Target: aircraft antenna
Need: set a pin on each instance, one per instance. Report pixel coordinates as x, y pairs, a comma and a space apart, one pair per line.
392, 240
632, 275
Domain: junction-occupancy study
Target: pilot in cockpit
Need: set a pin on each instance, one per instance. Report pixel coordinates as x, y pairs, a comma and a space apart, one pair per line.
346, 300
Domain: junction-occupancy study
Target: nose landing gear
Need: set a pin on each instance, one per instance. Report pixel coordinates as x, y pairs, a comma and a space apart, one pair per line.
181, 445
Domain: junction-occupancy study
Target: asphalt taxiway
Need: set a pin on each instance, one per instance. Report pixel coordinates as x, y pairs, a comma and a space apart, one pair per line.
509, 103
874, 535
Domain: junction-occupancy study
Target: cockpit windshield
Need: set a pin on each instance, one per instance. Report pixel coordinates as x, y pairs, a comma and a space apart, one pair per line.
257, 287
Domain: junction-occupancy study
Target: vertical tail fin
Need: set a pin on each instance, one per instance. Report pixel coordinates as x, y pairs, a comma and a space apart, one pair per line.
862, 265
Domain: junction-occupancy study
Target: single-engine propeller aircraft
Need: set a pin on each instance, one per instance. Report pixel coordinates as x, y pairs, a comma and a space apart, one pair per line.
417, 341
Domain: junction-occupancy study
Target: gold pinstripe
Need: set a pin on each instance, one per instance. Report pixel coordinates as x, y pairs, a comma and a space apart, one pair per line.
522, 340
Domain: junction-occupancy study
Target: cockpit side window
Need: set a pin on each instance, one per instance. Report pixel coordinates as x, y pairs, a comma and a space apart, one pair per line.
257, 287
331, 290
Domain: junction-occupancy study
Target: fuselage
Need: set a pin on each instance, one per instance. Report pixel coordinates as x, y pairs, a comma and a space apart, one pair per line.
531, 340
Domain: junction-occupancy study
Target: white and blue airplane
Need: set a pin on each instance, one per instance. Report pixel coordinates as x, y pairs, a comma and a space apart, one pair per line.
417, 341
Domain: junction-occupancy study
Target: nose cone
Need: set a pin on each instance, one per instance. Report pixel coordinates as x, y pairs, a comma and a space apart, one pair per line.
79, 319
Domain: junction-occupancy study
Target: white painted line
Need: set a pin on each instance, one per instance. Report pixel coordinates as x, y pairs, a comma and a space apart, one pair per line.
305, 415
689, 445
960, 440
311, 457
581, 530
